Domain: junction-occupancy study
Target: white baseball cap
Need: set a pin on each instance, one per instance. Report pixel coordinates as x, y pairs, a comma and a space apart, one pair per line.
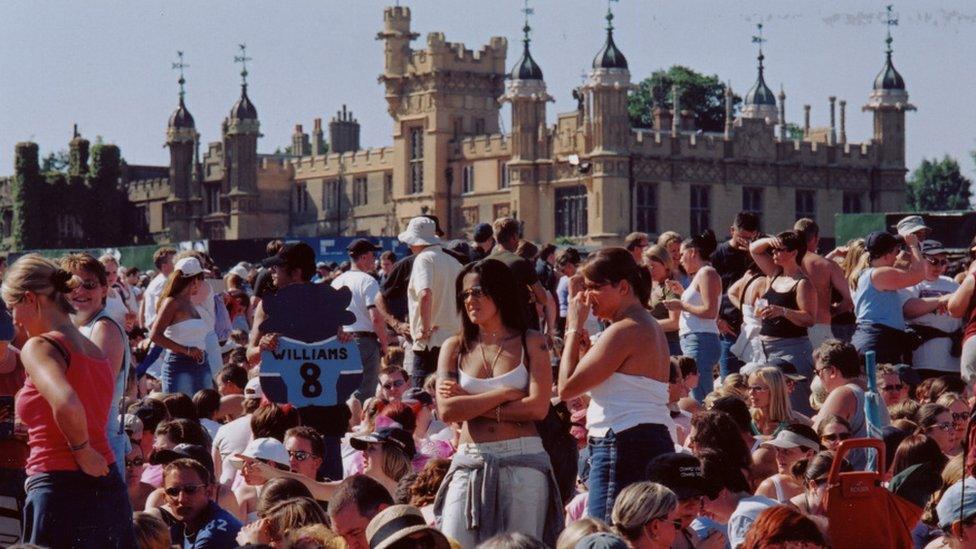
253, 388
265, 449
189, 266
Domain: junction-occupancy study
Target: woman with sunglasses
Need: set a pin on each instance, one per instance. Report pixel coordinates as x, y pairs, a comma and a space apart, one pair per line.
65, 404
182, 332
658, 262
96, 322
926, 312
935, 422
625, 372
959, 408
646, 516
769, 403
496, 380
699, 306
832, 431
787, 307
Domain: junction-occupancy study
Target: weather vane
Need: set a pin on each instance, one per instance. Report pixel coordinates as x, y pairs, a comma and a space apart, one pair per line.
242, 59
758, 39
890, 21
527, 11
180, 65
610, 14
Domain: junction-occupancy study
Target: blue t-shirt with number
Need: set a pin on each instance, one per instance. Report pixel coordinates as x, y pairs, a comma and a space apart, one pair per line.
218, 532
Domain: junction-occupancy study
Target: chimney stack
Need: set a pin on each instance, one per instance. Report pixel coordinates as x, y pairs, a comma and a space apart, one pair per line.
843, 122
833, 121
344, 132
806, 120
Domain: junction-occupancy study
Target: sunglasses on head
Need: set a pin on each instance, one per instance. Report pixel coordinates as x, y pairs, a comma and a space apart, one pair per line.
190, 489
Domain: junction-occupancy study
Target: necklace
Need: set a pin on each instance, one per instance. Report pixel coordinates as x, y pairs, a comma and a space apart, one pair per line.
488, 368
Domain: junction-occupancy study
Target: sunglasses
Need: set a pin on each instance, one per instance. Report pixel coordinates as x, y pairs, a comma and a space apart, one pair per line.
300, 455
960, 416
474, 293
892, 388
938, 262
190, 489
757, 389
836, 436
395, 384
779, 250
138, 462
90, 284
947, 427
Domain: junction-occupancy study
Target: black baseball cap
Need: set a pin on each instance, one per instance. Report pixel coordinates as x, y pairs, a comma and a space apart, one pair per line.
933, 247
681, 473
394, 436
192, 451
360, 246
482, 232
879, 243
296, 255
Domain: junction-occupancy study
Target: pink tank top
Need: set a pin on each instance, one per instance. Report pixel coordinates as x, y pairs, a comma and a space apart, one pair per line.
92, 380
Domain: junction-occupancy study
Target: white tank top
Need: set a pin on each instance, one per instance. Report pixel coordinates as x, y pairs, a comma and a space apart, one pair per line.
689, 323
624, 401
517, 378
191, 332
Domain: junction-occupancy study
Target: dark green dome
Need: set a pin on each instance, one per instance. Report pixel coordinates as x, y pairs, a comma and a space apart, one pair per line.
181, 117
759, 94
610, 57
888, 78
244, 109
526, 68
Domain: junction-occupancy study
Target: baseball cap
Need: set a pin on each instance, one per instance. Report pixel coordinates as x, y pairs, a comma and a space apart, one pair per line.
911, 224
416, 394
787, 368
149, 415
600, 540
189, 266
265, 449
482, 232
133, 426
293, 255
879, 243
681, 473
957, 503
321, 265
393, 436
788, 439
238, 270
361, 246
933, 247
192, 451
253, 388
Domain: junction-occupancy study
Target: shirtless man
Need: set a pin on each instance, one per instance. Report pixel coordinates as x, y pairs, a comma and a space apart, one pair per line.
826, 276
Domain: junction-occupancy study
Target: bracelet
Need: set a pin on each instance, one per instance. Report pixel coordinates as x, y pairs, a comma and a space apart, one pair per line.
498, 413
567, 332
78, 447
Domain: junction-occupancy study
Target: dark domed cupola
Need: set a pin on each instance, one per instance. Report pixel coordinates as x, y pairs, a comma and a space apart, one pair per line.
610, 57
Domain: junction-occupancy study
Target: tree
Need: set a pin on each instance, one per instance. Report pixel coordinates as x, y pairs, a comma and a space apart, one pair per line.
793, 131
103, 222
55, 162
29, 219
938, 185
700, 94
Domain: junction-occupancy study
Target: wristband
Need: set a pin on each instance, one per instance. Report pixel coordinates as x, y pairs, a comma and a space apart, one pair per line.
498, 413
78, 447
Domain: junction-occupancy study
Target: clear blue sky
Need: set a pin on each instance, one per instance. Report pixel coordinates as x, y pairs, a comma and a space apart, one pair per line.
106, 65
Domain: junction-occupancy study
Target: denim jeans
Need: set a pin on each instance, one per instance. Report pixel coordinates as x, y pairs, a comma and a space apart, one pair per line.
728, 363
424, 364
798, 351
369, 354
71, 509
182, 374
674, 345
888, 343
618, 460
705, 348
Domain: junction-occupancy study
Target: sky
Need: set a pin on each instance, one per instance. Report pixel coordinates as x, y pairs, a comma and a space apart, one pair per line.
106, 66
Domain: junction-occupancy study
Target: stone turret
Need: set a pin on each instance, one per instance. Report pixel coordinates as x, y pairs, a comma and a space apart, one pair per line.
759, 102
889, 103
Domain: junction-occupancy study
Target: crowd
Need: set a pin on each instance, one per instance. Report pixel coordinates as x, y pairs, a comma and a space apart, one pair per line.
675, 393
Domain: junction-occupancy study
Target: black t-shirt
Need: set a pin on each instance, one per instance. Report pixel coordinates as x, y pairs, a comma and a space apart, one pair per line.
263, 283
525, 277
394, 287
731, 263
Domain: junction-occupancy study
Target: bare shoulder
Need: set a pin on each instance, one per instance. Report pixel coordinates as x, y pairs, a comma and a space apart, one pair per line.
534, 339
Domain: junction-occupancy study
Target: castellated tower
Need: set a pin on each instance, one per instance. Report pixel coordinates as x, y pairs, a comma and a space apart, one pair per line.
607, 125
183, 204
435, 95
526, 91
241, 132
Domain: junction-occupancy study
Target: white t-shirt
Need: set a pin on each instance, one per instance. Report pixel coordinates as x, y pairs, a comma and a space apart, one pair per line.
153, 291
744, 515
364, 289
115, 308
934, 353
232, 438
435, 270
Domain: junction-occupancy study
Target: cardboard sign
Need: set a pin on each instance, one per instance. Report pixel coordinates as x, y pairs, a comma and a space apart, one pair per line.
306, 374
310, 366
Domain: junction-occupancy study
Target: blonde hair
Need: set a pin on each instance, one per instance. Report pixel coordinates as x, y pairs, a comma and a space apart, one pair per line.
292, 514
946, 399
779, 400
105, 259
660, 254
854, 262
577, 530
639, 504
40, 276
396, 464
668, 237
151, 532
315, 536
